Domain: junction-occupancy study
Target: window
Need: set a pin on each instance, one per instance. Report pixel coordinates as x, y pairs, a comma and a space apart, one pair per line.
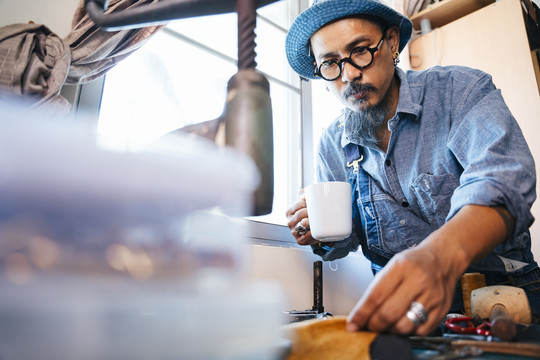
179, 77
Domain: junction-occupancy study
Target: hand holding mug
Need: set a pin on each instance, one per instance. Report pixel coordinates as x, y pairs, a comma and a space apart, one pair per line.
329, 207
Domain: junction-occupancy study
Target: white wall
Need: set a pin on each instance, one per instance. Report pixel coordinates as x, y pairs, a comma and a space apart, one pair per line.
344, 280
55, 14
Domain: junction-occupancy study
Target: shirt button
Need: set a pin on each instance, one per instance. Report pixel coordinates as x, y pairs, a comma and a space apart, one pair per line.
387, 162
402, 222
404, 203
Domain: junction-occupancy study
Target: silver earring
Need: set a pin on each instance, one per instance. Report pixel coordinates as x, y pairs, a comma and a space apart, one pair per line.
396, 58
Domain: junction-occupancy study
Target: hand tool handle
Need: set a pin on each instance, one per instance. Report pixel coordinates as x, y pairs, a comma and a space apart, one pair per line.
470, 282
502, 323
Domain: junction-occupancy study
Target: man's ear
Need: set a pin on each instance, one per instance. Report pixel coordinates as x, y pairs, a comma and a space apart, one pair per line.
392, 36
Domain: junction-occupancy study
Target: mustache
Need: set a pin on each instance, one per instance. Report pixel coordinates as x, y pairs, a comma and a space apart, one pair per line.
355, 88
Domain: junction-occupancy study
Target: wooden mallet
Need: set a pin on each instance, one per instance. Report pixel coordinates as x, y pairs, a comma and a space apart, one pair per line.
505, 306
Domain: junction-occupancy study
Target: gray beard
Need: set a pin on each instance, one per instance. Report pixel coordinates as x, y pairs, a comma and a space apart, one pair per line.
362, 126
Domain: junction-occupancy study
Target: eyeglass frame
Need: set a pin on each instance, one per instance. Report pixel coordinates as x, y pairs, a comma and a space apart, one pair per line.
348, 59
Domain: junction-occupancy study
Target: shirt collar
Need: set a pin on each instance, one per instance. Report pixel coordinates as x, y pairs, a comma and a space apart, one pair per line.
406, 105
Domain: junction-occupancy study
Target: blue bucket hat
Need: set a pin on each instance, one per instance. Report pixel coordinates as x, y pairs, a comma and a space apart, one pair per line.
324, 11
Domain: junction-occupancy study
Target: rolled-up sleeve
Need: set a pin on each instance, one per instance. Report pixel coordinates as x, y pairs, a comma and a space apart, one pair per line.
498, 167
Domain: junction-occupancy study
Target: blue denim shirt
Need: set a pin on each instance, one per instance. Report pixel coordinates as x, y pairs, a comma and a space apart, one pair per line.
453, 143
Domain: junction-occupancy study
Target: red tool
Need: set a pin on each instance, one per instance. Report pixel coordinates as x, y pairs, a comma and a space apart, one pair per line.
456, 325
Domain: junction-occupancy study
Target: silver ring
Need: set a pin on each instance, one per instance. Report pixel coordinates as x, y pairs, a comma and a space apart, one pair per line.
417, 313
300, 229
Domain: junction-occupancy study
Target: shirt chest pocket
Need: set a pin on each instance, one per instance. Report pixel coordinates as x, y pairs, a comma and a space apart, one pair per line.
433, 195
388, 226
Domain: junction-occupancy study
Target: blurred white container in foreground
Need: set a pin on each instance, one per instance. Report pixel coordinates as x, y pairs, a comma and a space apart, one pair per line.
115, 255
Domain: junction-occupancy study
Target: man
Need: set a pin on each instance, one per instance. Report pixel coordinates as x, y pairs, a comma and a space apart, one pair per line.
443, 179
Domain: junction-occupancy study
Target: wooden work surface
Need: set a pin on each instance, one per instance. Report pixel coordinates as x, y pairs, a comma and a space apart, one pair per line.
327, 339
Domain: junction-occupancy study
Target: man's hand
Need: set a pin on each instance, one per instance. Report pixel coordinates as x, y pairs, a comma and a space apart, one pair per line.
428, 273
297, 214
417, 275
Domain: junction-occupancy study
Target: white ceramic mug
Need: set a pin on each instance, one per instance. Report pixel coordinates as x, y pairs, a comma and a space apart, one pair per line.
329, 207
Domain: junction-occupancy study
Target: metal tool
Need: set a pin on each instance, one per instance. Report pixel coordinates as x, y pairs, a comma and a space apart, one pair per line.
465, 325
158, 12
497, 347
317, 311
451, 354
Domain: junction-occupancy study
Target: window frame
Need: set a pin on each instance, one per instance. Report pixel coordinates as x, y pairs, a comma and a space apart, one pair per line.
87, 97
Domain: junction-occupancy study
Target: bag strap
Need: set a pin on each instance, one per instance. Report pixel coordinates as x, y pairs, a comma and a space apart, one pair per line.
353, 153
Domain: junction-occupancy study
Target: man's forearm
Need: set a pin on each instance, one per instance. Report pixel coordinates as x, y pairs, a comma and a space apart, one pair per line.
470, 235
508, 219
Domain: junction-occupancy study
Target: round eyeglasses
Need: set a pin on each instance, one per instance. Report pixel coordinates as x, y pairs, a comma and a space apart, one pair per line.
361, 57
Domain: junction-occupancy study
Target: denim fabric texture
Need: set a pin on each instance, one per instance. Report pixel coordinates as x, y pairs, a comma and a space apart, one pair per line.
453, 143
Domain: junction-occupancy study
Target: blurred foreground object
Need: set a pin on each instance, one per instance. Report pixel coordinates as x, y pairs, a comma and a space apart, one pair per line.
116, 255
